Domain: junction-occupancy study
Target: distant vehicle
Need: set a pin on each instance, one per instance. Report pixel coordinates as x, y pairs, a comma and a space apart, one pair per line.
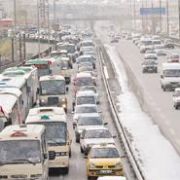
44, 66
95, 135
23, 148
176, 98
106, 155
150, 56
114, 40
57, 135
149, 66
170, 76
174, 58
53, 91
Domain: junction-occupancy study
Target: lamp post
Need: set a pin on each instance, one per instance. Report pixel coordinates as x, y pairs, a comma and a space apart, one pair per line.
167, 18
179, 16
38, 26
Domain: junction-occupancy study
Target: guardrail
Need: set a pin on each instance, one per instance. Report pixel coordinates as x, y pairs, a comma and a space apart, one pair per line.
127, 145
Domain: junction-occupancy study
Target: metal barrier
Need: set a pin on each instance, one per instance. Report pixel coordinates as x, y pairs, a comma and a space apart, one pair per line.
127, 145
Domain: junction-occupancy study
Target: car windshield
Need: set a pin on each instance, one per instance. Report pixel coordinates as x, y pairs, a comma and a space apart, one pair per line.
149, 63
86, 68
104, 153
20, 151
85, 100
97, 133
91, 88
172, 73
84, 81
88, 121
52, 87
56, 132
64, 64
86, 109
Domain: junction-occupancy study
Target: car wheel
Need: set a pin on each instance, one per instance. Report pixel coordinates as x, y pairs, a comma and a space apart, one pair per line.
176, 107
77, 140
66, 170
70, 154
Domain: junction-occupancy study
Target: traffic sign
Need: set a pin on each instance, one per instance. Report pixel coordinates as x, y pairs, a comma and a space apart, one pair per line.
152, 11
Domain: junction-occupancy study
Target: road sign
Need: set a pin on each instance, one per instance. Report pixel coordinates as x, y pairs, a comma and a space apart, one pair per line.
152, 11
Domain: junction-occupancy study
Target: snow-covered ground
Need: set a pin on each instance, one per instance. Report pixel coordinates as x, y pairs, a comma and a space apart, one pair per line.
156, 155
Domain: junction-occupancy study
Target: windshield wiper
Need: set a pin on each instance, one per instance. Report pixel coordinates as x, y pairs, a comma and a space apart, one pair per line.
14, 161
52, 141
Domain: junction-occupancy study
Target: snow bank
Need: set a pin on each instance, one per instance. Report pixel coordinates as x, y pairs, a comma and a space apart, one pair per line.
156, 155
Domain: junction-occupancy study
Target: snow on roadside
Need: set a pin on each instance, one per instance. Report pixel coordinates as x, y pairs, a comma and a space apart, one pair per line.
157, 156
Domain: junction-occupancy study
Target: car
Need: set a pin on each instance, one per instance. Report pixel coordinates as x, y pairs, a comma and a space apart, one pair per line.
84, 109
95, 135
150, 56
160, 52
176, 98
86, 121
104, 160
174, 58
149, 66
114, 40
112, 178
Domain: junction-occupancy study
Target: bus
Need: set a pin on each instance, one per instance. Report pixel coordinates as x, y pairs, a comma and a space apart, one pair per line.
23, 152
53, 91
57, 136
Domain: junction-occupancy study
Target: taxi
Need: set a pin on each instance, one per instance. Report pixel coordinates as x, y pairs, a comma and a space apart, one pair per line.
104, 160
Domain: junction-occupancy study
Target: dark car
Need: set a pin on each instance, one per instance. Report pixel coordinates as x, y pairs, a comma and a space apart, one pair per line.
149, 66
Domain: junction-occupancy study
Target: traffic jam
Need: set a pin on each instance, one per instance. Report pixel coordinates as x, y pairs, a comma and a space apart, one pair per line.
160, 55
38, 101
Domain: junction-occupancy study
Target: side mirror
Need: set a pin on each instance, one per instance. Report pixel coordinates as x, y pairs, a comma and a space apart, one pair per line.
114, 136
162, 76
106, 123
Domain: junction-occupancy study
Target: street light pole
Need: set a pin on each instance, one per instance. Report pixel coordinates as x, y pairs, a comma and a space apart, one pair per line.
167, 13
38, 24
54, 11
179, 16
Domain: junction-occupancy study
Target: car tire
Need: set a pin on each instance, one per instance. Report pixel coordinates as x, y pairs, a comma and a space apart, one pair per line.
176, 107
66, 170
77, 140
70, 153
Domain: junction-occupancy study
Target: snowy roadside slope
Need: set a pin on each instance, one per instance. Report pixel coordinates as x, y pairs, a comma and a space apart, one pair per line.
156, 155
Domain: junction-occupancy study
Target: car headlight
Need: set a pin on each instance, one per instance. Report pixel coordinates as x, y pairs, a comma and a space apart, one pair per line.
92, 165
119, 165
80, 131
64, 106
63, 99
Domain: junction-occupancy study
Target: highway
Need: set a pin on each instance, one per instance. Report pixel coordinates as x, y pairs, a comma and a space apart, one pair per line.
78, 162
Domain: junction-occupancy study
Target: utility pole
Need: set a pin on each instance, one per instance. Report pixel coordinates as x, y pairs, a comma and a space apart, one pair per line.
14, 32
179, 16
142, 16
54, 11
160, 18
134, 12
38, 26
167, 17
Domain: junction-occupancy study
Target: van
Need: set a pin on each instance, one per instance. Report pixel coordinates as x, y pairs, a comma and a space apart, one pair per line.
170, 76
53, 91
57, 135
23, 153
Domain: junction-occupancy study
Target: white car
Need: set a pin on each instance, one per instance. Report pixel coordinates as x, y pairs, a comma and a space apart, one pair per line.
112, 178
176, 98
87, 121
94, 136
84, 109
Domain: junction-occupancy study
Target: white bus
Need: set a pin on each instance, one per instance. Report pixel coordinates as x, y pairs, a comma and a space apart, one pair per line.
57, 136
23, 152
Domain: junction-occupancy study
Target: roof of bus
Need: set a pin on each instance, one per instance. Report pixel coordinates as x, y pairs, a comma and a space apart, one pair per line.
7, 102
51, 77
36, 61
46, 114
20, 132
27, 69
9, 82
13, 91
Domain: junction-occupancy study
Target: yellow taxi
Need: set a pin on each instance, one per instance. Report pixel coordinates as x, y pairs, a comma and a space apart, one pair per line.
104, 160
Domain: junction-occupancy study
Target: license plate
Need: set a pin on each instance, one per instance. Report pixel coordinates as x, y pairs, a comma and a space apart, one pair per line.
105, 171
